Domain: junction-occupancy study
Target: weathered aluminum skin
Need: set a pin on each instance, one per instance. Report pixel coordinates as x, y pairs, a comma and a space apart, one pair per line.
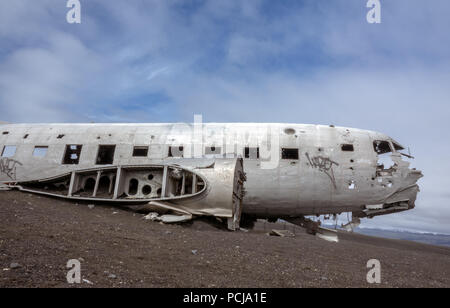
316, 183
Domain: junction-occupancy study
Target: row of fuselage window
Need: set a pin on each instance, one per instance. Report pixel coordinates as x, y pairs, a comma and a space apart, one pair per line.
105, 155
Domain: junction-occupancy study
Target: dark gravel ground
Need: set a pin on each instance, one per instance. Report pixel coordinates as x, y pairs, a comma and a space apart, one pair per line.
117, 248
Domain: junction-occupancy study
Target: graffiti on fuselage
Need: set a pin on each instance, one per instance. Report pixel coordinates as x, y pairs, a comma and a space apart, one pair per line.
8, 167
325, 165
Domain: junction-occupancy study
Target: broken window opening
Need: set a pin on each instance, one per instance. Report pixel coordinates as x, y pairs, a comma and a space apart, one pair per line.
105, 154
72, 154
9, 151
60, 136
347, 147
40, 151
251, 153
382, 147
140, 151
397, 147
289, 154
5, 133
176, 151
352, 185
213, 150
385, 162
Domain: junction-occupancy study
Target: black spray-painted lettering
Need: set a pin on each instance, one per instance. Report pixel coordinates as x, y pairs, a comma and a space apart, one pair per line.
8, 166
324, 164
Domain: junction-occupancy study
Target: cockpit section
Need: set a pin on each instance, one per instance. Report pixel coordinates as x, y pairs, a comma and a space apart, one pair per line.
394, 182
388, 153
385, 164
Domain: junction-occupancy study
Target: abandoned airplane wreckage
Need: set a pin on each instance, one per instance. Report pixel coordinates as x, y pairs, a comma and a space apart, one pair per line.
180, 171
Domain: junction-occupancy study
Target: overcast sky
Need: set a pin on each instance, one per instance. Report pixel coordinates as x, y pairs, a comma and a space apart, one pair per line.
316, 61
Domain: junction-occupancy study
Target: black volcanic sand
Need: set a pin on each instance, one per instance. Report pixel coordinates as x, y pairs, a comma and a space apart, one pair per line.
117, 248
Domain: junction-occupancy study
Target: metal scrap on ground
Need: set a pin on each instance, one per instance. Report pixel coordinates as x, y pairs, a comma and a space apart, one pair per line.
282, 233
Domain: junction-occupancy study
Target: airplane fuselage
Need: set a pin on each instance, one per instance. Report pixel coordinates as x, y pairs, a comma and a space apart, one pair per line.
292, 169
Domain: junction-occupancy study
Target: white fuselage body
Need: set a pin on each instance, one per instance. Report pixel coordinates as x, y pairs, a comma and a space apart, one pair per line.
323, 179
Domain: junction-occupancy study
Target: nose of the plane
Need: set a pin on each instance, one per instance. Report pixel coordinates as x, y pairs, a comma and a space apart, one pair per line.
415, 174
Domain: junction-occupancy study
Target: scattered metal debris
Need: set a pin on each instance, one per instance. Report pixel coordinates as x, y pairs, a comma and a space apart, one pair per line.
329, 235
314, 228
168, 219
351, 225
88, 282
15, 265
282, 233
151, 216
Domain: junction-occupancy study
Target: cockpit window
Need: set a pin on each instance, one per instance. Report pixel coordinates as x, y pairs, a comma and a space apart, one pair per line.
381, 147
398, 147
